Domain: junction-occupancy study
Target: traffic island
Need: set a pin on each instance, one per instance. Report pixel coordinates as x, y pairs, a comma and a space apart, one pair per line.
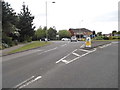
95, 44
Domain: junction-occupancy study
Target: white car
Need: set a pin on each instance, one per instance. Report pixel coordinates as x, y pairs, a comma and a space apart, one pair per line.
73, 38
65, 39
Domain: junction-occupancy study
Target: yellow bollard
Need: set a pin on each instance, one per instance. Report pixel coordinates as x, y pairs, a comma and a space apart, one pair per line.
88, 42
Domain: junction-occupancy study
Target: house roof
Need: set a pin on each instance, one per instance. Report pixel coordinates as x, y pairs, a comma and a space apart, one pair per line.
80, 30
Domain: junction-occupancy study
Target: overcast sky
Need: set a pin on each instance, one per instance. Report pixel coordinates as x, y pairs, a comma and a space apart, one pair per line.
98, 15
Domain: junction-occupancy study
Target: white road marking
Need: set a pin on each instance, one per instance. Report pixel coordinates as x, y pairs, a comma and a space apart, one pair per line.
31, 81
115, 42
28, 81
82, 46
37, 50
51, 49
81, 56
67, 62
76, 54
84, 50
105, 45
24, 82
48, 50
63, 45
65, 56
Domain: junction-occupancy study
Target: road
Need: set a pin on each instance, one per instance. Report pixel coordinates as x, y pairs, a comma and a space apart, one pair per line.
62, 65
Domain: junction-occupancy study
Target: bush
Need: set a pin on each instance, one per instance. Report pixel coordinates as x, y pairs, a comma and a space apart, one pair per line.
115, 37
7, 40
29, 39
99, 38
106, 38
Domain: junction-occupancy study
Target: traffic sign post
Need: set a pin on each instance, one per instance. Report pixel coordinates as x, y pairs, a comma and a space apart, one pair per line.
88, 42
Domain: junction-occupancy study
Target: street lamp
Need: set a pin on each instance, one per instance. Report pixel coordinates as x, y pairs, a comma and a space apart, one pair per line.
46, 21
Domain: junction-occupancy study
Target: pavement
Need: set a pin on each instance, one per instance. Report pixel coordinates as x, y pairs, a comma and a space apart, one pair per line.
62, 65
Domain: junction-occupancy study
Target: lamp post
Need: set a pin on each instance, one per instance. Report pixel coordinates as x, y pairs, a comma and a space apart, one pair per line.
46, 21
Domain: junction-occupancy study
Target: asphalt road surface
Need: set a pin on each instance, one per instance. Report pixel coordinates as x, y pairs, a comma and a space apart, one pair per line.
62, 65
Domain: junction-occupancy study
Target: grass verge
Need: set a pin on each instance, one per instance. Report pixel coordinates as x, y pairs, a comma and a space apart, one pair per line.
32, 45
107, 40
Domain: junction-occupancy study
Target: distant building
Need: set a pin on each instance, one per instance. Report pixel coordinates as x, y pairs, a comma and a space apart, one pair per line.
80, 32
116, 34
108, 35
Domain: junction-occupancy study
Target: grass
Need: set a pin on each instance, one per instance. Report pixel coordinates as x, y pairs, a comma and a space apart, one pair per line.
32, 45
107, 40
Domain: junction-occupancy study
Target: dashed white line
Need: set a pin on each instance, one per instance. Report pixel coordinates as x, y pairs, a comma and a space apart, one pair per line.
27, 82
48, 50
24, 82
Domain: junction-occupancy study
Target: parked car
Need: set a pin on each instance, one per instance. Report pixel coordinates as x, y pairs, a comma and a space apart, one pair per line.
65, 39
44, 39
73, 38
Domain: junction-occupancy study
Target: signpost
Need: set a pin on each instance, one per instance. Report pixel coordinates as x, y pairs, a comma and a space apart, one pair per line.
88, 42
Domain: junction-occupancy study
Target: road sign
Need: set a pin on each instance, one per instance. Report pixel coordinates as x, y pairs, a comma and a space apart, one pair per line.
88, 42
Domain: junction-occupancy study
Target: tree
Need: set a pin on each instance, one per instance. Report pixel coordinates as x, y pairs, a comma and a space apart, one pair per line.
114, 32
64, 34
25, 24
52, 33
99, 33
118, 32
94, 32
9, 20
40, 33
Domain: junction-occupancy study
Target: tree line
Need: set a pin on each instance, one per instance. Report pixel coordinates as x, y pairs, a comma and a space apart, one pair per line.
17, 28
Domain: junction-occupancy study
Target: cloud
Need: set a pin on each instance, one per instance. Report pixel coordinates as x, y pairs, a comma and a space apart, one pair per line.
108, 17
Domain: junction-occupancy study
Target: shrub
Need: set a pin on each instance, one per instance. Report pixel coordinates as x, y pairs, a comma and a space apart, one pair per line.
106, 38
7, 40
99, 38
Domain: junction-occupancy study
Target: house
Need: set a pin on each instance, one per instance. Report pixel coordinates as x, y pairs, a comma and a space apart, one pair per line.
80, 32
107, 35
